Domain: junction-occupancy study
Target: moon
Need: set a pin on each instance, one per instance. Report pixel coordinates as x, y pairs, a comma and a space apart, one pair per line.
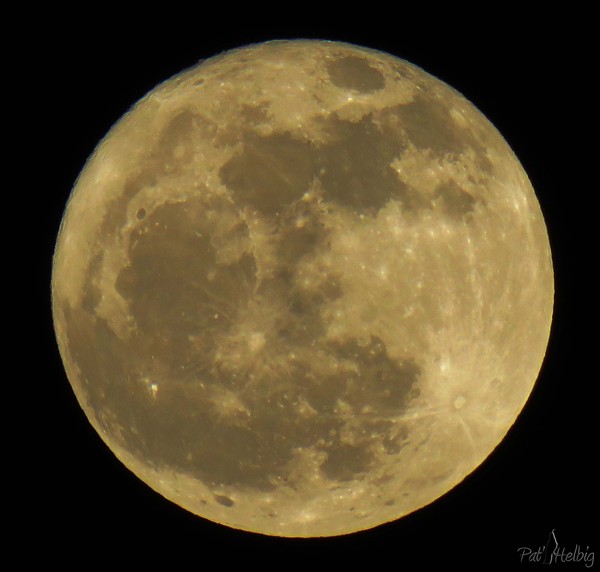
303, 288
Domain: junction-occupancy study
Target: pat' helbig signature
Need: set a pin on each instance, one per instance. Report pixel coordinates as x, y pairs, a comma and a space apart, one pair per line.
553, 553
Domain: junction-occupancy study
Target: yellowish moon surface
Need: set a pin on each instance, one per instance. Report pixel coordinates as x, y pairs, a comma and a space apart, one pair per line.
302, 288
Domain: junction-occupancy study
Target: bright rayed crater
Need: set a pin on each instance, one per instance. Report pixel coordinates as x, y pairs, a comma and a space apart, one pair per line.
303, 288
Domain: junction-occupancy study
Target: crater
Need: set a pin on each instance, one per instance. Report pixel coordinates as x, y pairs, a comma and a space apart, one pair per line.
353, 72
225, 501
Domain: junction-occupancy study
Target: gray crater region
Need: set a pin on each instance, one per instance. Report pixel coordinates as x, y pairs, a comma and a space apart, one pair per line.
302, 289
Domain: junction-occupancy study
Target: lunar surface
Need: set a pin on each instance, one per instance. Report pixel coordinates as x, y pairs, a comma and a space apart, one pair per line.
303, 288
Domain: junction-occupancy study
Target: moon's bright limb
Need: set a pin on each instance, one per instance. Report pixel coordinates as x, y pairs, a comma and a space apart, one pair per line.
303, 288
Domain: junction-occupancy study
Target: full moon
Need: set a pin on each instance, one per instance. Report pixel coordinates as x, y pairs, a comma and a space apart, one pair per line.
303, 288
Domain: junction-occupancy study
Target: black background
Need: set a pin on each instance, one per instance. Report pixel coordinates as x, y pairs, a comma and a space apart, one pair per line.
530, 74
